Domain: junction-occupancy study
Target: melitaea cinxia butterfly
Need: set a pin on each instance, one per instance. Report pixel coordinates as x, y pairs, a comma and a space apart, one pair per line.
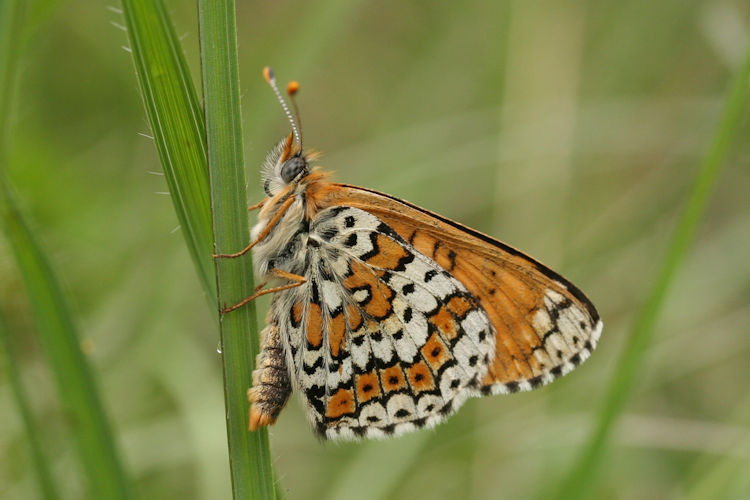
389, 316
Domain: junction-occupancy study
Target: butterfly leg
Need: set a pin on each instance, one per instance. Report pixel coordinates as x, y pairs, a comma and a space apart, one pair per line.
274, 220
257, 205
294, 278
271, 385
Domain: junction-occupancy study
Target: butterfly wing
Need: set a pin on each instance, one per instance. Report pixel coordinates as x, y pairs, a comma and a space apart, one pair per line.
381, 339
543, 325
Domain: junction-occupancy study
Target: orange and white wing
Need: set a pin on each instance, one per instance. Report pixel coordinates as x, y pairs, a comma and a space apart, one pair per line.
543, 325
381, 339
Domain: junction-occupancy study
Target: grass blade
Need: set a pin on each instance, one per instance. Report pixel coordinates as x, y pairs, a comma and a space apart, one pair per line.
176, 120
581, 477
252, 475
60, 341
12, 17
76, 385
46, 483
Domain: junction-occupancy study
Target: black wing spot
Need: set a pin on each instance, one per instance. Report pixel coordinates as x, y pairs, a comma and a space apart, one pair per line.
445, 410
404, 261
359, 431
358, 341
429, 275
452, 258
402, 413
349, 221
351, 240
407, 314
407, 289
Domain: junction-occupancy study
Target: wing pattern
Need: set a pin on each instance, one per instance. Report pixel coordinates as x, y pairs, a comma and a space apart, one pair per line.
545, 326
381, 339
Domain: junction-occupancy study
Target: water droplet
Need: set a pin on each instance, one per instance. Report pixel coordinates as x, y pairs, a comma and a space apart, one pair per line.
218, 347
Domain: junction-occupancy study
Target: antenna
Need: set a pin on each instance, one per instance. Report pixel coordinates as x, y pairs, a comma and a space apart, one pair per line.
271, 80
291, 90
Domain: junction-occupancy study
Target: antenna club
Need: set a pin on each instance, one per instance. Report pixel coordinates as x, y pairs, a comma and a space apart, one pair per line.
271, 80
292, 88
268, 74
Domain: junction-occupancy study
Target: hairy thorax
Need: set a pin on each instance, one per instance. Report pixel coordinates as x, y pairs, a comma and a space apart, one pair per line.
285, 246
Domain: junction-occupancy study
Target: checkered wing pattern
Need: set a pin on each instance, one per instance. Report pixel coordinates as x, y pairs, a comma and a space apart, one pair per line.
381, 339
544, 326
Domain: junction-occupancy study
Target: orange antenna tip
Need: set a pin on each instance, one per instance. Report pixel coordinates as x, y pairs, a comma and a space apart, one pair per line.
268, 74
292, 88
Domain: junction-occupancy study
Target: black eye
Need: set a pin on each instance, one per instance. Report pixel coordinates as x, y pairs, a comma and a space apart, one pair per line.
292, 167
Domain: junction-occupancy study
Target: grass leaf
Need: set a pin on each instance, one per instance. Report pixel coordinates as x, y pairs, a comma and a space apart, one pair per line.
94, 442
47, 488
582, 476
176, 120
252, 475
60, 340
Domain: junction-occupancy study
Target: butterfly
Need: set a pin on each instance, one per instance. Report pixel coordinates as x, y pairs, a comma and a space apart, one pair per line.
386, 317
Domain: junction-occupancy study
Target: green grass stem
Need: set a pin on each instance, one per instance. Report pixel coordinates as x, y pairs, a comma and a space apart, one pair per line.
582, 476
252, 474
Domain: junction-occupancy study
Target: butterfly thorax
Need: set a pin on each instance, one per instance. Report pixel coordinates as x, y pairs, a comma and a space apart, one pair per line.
285, 247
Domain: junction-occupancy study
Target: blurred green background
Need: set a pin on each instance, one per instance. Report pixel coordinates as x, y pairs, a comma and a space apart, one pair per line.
570, 129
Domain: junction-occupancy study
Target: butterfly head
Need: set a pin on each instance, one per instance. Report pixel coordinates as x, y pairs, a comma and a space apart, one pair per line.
284, 165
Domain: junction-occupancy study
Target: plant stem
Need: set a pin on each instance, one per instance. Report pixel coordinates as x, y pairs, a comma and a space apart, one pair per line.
252, 475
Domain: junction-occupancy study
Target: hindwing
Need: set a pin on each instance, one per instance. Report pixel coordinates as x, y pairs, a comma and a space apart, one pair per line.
386, 339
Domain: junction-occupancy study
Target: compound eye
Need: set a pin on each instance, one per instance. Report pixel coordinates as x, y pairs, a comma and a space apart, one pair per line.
292, 167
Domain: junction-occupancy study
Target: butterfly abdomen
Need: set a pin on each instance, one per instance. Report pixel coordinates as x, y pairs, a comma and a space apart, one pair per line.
271, 383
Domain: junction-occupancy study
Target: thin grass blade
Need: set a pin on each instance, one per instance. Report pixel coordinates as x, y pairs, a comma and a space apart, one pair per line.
59, 338
12, 21
45, 482
176, 120
252, 474
93, 438
580, 480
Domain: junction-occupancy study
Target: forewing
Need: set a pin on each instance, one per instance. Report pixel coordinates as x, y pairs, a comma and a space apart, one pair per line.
389, 340
544, 326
